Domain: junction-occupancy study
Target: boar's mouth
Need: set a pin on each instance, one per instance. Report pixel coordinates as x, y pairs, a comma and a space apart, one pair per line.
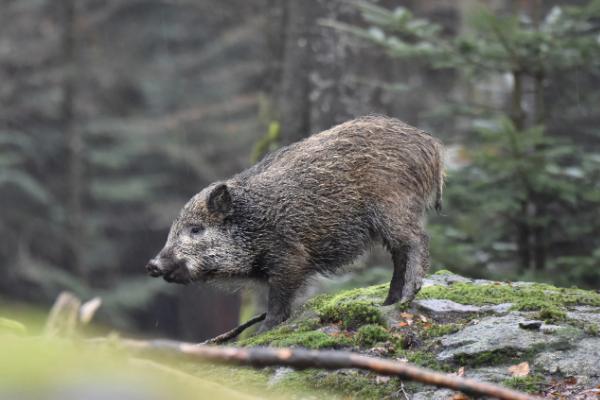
207, 274
178, 274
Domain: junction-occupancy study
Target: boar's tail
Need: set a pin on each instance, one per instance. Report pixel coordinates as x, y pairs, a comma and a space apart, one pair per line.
440, 174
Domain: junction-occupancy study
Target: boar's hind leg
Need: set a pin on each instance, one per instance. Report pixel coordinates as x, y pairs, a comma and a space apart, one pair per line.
417, 265
399, 258
411, 262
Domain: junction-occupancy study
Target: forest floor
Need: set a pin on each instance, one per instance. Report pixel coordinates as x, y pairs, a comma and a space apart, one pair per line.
533, 337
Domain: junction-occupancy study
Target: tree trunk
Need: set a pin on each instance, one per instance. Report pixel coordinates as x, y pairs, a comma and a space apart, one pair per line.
293, 101
523, 226
73, 140
539, 236
310, 94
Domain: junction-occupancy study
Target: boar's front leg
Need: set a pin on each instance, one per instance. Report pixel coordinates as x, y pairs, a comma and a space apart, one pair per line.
284, 281
278, 307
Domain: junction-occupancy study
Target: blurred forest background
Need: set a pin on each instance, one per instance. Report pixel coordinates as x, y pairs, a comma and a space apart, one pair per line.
113, 113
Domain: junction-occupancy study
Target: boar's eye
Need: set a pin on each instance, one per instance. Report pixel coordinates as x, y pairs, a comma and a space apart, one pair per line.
196, 229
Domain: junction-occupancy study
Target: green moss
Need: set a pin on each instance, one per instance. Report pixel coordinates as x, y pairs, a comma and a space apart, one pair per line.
496, 357
424, 359
437, 330
552, 314
341, 384
250, 379
352, 308
549, 300
372, 293
369, 335
530, 384
443, 272
303, 337
591, 329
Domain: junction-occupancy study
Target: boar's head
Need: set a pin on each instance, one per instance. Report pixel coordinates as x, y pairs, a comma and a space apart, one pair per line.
204, 242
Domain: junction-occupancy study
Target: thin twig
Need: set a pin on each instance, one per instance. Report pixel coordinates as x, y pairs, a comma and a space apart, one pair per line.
224, 337
404, 391
331, 360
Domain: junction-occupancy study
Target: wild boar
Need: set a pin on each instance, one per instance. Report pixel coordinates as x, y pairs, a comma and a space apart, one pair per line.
313, 207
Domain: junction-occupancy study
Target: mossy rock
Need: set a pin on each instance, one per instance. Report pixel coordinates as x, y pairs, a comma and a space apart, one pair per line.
550, 301
356, 320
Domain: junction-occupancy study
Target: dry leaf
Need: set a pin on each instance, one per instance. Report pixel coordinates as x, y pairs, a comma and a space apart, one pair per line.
406, 315
380, 379
423, 318
402, 324
459, 396
570, 380
460, 372
521, 369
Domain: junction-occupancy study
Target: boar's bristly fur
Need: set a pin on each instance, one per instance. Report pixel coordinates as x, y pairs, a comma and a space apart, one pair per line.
310, 207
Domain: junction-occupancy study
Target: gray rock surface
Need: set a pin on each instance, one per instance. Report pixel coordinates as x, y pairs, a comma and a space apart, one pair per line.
444, 279
496, 334
582, 359
587, 315
447, 310
440, 394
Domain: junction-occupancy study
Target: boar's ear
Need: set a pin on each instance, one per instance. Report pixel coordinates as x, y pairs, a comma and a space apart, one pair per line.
219, 199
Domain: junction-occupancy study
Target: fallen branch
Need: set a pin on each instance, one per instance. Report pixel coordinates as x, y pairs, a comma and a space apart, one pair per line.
224, 337
331, 360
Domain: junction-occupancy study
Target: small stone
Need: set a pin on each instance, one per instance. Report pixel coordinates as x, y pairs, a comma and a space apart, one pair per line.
440, 394
532, 325
330, 329
502, 308
445, 306
550, 329
279, 374
444, 279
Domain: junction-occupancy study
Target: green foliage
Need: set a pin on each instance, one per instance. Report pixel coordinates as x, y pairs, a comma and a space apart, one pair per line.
90, 372
268, 143
153, 127
12, 326
526, 194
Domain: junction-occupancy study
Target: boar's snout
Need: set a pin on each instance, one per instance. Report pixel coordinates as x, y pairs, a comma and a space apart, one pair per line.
171, 270
153, 269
